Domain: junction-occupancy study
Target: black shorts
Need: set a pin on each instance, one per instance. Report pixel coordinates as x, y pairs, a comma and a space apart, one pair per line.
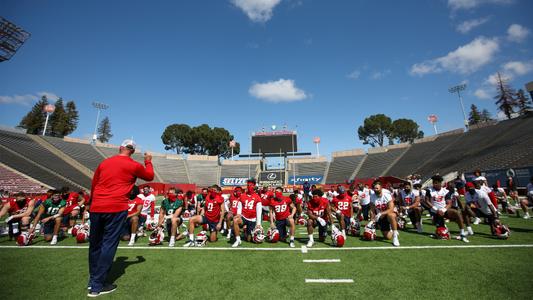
126, 228
411, 213
15, 227
366, 210
481, 214
169, 225
322, 230
383, 224
347, 221
250, 226
65, 220
211, 225
48, 227
281, 226
440, 221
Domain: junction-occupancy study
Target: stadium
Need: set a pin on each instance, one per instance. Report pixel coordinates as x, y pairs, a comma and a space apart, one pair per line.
440, 216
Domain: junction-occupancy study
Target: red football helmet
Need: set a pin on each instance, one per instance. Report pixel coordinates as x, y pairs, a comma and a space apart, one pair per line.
338, 239
302, 221
258, 236
501, 231
186, 214
151, 226
82, 236
370, 232
273, 235
354, 228
401, 223
25, 238
511, 210
201, 238
76, 228
156, 237
442, 233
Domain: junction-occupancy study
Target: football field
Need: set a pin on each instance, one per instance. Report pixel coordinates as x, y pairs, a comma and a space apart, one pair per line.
421, 267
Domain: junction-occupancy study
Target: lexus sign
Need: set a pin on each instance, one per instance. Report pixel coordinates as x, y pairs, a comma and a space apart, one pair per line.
274, 178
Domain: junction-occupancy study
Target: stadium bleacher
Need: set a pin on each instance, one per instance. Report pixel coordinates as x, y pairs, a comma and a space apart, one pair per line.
239, 169
203, 170
172, 169
343, 164
84, 153
14, 182
377, 163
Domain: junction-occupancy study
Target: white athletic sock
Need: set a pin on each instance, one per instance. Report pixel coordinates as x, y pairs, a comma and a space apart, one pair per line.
54, 237
172, 238
463, 232
395, 232
238, 238
311, 238
191, 237
344, 232
292, 238
229, 231
132, 238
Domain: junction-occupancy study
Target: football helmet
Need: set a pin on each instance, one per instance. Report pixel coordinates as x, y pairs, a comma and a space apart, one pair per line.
273, 235
156, 237
354, 228
82, 236
25, 238
337, 238
186, 215
201, 238
442, 233
370, 232
76, 228
258, 236
301, 221
501, 231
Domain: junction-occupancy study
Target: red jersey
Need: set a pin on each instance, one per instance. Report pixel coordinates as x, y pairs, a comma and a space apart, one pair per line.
249, 206
113, 181
282, 209
319, 207
133, 204
212, 208
15, 209
234, 203
342, 203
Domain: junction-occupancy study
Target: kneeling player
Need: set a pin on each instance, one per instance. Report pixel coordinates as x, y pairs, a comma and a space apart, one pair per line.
52, 211
19, 209
410, 202
318, 210
342, 203
170, 213
211, 216
234, 200
383, 213
485, 207
131, 225
74, 203
249, 211
441, 210
282, 211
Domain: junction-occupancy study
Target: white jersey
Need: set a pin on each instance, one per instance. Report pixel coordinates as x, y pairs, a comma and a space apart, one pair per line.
438, 198
500, 194
381, 202
486, 189
530, 189
409, 198
481, 200
147, 203
364, 196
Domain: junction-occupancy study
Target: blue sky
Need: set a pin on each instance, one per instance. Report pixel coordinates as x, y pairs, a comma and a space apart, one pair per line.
320, 66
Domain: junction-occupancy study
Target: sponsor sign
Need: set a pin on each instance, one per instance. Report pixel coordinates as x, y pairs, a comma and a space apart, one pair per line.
274, 178
233, 181
312, 179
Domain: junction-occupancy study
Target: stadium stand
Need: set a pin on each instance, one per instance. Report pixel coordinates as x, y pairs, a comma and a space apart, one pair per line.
308, 166
112, 150
171, 169
343, 165
13, 182
379, 160
83, 152
239, 168
28, 148
203, 169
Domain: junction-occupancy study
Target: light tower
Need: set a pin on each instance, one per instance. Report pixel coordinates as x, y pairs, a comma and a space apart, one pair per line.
457, 89
232, 145
433, 120
48, 109
316, 140
99, 107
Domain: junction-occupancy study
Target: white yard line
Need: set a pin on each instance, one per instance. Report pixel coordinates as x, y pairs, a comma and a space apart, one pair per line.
329, 281
321, 260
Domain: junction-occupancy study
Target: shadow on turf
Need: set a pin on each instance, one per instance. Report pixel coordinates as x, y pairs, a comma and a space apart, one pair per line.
119, 267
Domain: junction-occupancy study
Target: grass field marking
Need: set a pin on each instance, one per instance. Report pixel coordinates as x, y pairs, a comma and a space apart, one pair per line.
328, 280
281, 249
334, 260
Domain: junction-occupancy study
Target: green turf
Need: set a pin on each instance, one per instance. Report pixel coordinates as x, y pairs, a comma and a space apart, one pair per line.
414, 273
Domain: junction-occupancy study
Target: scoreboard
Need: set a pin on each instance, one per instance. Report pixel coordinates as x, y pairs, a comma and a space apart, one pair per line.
274, 142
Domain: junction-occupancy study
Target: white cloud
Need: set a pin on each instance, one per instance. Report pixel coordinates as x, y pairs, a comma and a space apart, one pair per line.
518, 67
354, 75
257, 10
282, 90
469, 4
464, 60
482, 93
27, 99
466, 26
517, 33
377, 75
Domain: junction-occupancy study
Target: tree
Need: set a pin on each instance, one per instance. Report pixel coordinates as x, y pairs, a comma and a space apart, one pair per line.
474, 116
485, 115
405, 130
104, 131
58, 120
72, 118
220, 139
375, 129
34, 120
505, 97
177, 137
523, 102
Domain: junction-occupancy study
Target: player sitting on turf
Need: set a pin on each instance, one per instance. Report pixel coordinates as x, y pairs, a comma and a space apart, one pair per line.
342, 205
211, 215
442, 209
191, 203
131, 225
19, 209
282, 212
527, 203
383, 213
409, 200
170, 213
363, 195
74, 204
148, 208
49, 214
200, 201
249, 211
231, 210
453, 196
318, 210
484, 207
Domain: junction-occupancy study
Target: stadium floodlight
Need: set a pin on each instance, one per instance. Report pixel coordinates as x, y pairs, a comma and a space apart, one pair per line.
99, 107
316, 140
11, 38
457, 89
48, 109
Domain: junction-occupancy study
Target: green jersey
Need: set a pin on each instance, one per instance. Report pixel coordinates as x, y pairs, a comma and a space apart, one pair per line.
51, 208
170, 207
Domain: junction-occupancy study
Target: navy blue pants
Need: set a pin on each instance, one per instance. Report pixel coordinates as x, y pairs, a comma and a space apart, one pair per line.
103, 242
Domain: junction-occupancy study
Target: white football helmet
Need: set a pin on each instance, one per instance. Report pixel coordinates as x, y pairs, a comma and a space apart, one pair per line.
156, 237
258, 236
201, 239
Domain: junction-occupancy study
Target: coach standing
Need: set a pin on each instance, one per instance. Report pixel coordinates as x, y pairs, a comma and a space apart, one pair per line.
112, 183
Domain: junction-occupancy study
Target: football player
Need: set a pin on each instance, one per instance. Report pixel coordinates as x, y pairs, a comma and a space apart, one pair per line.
282, 212
74, 203
231, 210
442, 209
131, 225
485, 208
363, 194
383, 213
343, 207
199, 199
50, 214
211, 215
19, 209
148, 208
410, 202
170, 213
318, 210
528, 202
249, 211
